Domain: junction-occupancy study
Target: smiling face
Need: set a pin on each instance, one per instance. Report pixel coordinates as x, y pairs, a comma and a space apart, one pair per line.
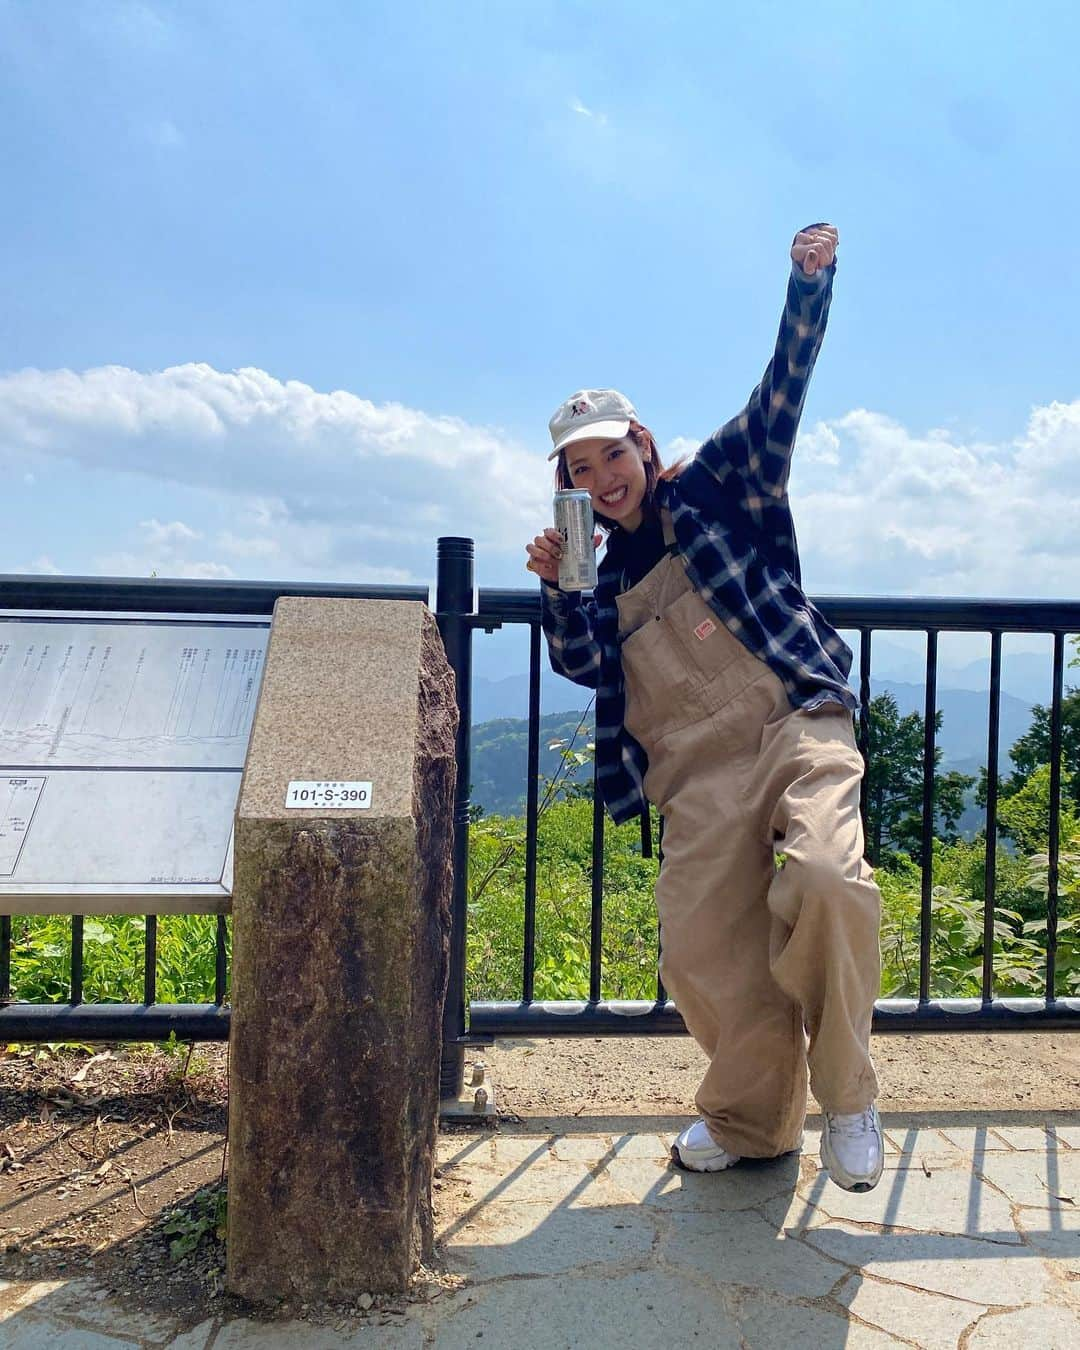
613, 472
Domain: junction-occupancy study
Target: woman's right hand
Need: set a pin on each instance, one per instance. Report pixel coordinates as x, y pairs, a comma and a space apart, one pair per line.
544, 554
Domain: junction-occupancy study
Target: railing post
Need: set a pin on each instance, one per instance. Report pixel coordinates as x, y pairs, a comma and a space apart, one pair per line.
453, 608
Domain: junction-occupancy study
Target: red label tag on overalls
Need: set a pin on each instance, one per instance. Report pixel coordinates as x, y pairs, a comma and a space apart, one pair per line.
702, 631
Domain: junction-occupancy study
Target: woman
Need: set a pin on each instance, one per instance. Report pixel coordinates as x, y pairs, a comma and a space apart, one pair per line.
722, 697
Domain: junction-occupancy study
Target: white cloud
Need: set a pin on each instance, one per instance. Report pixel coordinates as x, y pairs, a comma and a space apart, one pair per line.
1049, 452
577, 106
152, 564
164, 549
321, 480
251, 546
819, 445
176, 533
328, 485
882, 508
42, 565
677, 448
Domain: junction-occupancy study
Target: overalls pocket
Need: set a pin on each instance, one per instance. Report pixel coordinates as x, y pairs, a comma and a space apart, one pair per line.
718, 663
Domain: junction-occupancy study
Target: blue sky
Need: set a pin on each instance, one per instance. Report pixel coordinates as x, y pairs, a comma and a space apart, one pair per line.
292, 289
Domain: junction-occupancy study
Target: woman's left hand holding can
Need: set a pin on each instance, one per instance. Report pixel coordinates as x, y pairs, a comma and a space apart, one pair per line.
544, 554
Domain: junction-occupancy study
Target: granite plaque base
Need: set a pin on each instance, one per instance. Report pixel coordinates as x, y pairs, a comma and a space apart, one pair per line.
341, 927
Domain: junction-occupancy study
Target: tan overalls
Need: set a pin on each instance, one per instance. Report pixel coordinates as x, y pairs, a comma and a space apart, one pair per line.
752, 948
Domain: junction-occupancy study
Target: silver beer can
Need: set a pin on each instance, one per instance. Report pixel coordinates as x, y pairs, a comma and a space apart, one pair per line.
574, 521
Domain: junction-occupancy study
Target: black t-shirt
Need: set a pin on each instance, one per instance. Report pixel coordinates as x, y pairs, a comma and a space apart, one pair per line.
638, 551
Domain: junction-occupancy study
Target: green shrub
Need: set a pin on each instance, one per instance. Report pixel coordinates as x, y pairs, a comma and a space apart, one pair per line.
629, 946
113, 948
563, 907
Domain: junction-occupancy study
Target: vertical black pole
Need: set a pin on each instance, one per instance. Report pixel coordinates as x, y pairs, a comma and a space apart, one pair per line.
76, 959
150, 961
1052, 874
528, 973
864, 721
990, 872
5, 958
646, 834
220, 963
596, 926
453, 607
929, 755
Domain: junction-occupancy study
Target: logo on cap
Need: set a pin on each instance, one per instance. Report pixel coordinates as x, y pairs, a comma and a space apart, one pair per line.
579, 409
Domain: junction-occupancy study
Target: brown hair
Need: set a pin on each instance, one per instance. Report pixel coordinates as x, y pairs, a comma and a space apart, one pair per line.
654, 470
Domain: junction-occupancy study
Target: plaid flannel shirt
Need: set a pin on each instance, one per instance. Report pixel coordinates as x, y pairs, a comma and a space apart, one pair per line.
734, 532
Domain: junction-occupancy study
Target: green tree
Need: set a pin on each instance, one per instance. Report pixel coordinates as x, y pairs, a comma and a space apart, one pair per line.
1032, 751
894, 785
1033, 748
1024, 815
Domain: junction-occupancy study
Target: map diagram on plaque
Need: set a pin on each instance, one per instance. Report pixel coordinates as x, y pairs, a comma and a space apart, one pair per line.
127, 694
18, 800
122, 742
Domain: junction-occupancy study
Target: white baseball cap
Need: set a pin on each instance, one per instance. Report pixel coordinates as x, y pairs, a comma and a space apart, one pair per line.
589, 414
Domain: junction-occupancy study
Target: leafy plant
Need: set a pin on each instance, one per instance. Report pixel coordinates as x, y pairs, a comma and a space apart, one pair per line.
202, 1219
113, 950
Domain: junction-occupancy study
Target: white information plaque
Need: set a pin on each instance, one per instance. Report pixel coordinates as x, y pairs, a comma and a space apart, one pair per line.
122, 743
339, 796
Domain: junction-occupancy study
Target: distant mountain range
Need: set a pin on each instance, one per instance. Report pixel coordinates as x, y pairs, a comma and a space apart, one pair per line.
500, 758
502, 692
964, 721
500, 732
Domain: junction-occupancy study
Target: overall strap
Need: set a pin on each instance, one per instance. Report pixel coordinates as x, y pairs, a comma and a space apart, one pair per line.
669, 529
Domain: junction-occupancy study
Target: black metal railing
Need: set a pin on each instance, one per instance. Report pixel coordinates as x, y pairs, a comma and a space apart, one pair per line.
458, 618
932, 617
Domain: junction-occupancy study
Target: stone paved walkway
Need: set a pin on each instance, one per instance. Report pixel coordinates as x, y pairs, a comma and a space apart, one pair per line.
587, 1237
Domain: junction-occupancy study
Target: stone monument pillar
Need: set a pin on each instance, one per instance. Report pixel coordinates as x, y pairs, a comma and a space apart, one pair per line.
341, 909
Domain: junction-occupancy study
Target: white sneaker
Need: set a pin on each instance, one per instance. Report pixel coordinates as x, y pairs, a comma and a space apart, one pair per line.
697, 1151
852, 1149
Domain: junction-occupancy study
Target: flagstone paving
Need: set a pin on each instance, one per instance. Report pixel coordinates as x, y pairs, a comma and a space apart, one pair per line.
586, 1237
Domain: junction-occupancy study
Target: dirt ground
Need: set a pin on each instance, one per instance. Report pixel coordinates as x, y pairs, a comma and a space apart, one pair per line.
1018, 1074
115, 1161
96, 1153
